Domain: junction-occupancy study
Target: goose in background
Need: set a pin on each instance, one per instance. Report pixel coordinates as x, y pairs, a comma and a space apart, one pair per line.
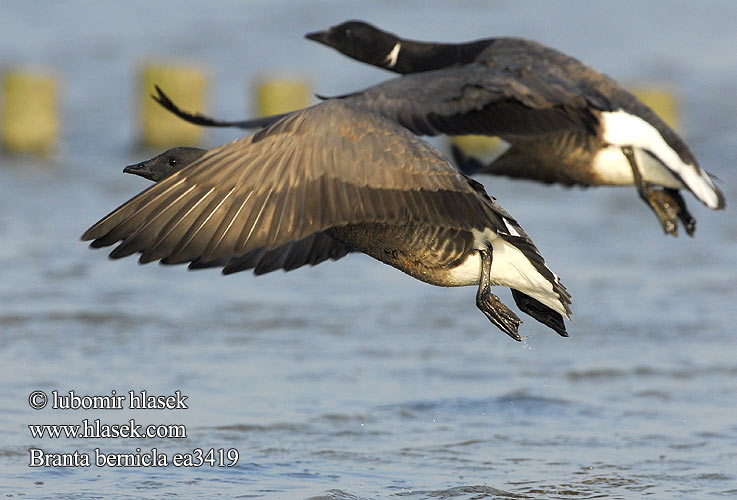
565, 122
345, 175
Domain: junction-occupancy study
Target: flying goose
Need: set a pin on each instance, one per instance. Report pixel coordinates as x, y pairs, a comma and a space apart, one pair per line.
566, 122
343, 174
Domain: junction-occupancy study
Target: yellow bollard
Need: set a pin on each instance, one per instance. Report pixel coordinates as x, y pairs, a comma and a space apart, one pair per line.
186, 85
29, 111
477, 144
661, 100
281, 95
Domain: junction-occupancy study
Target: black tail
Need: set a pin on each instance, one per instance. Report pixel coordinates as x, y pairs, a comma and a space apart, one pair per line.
540, 312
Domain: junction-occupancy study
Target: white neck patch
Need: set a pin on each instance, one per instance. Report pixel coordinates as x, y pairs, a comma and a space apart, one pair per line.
391, 59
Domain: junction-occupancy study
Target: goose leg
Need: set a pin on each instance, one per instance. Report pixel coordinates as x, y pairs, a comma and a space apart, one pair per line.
689, 223
490, 305
661, 202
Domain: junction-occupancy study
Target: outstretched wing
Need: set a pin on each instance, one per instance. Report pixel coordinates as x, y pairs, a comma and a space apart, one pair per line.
477, 98
321, 167
480, 98
316, 248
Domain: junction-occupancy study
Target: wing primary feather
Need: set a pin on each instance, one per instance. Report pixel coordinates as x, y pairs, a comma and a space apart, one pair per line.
218, 247
137, 220
251, 223
127, 210
168, 237
195, 239
152, 250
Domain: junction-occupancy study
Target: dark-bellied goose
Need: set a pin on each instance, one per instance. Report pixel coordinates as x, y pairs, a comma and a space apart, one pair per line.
359, 179
566, 122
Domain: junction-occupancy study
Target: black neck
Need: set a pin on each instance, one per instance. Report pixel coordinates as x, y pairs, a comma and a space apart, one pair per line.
414, 57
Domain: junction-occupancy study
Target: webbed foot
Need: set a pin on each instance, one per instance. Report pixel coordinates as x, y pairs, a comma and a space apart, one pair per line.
499, 314
490, 305
666, 203
664, 207
689, 223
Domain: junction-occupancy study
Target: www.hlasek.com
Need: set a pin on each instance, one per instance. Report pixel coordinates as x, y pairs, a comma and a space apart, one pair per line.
96, 429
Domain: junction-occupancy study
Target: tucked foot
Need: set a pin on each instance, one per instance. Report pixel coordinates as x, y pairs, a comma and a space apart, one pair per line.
665, 209
499, 314
689, 223
667, 204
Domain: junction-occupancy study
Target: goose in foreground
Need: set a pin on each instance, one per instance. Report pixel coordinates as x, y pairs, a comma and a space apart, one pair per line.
352, 177
566, 122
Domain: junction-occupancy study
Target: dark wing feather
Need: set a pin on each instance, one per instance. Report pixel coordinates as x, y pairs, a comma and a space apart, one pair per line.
321, 167
480, 99
540, 312
599, 90
206, 121
315, 248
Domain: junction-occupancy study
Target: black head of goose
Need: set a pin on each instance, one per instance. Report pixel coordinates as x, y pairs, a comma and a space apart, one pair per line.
354, 178
566, 122
369, 44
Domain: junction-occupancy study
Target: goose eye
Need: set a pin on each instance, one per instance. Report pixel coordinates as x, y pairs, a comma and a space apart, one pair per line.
172, 161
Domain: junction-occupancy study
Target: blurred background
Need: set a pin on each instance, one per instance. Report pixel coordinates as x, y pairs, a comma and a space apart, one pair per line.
351, 380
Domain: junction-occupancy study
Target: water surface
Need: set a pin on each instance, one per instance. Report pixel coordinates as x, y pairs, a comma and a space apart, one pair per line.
350, 380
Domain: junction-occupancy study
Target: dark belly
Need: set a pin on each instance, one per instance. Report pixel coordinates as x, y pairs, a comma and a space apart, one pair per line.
424, 252
564, 158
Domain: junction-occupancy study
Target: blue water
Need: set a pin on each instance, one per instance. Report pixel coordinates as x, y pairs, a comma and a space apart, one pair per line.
350, 380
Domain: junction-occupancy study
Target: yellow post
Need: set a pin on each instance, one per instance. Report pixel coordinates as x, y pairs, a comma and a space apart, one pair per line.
29, 111
281, 95
660, 99
477, 144
186, 85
